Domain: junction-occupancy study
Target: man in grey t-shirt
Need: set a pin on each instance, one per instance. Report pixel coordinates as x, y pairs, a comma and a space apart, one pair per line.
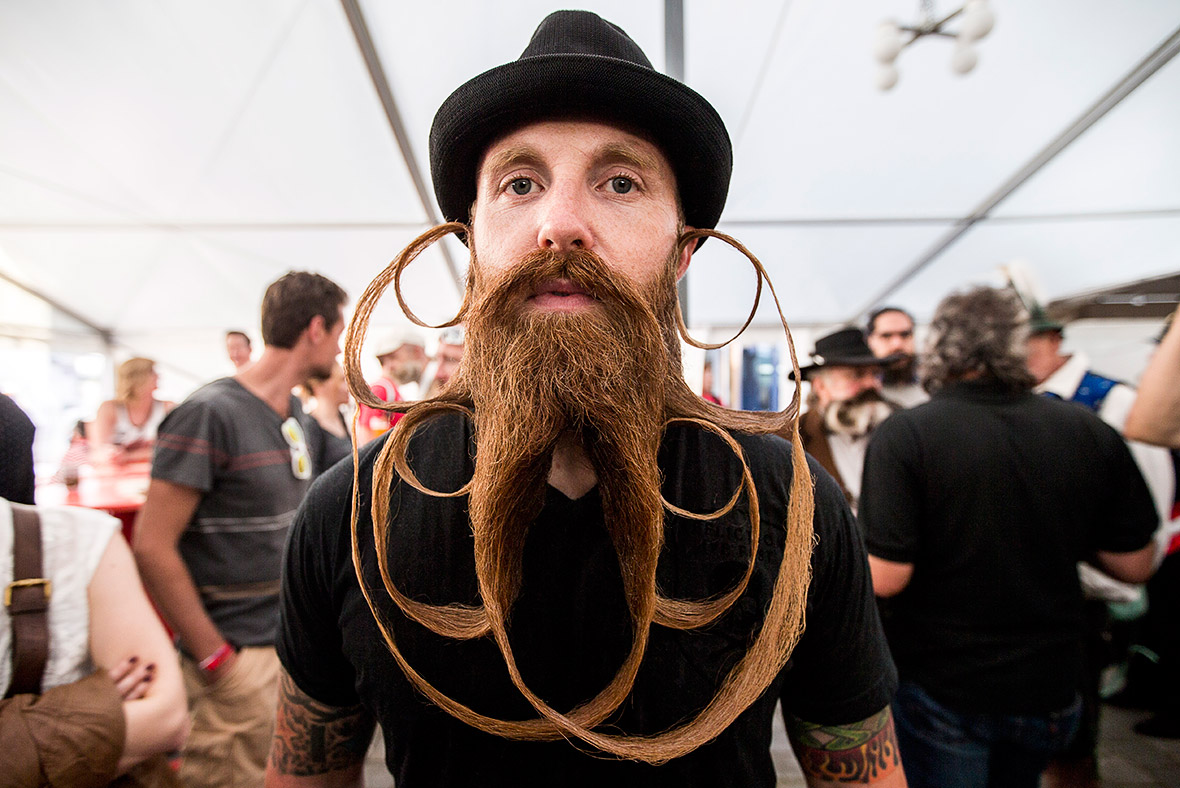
231, 466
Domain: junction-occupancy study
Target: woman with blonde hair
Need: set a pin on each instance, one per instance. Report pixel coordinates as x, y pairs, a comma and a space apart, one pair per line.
124, 429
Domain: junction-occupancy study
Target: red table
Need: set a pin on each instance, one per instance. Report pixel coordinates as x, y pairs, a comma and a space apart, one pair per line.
115, 489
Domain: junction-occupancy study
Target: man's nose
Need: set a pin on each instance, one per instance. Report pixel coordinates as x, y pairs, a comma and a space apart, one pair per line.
564, 221
869, 379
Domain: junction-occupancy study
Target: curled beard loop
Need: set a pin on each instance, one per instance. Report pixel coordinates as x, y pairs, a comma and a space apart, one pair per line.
784, 620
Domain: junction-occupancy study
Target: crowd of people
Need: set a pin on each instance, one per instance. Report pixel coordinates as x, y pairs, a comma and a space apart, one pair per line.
547, 585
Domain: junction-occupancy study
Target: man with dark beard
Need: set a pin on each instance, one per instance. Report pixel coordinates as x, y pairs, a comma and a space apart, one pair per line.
890, 333
572, 569
844, 407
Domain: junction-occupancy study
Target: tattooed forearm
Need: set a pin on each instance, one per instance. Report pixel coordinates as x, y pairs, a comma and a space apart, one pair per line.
862, 752
312, 738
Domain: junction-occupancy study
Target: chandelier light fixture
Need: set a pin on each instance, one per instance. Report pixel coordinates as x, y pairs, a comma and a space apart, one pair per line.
975, 20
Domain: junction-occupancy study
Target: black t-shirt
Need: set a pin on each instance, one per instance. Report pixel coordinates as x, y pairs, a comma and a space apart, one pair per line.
569, 626
326, 448
994, 497
17, 480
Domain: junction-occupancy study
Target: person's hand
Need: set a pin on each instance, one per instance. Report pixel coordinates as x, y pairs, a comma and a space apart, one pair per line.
132, 677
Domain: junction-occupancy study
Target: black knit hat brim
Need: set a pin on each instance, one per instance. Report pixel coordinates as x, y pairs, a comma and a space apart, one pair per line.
680, 122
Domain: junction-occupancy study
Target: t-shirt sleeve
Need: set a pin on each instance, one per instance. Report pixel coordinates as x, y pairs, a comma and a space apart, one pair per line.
841, 671
190, 445
309, 641
890, 495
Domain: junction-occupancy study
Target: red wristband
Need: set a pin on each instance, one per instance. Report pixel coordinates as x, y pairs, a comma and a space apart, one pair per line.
216, 659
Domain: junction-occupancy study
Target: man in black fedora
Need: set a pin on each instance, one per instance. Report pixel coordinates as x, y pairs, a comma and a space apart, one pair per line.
844, 407
547, 598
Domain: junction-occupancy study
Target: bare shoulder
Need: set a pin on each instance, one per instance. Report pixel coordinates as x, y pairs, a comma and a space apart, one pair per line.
856, 753
313, 738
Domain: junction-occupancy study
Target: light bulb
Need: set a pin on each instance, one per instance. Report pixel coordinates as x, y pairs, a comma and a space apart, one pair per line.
887, 44
964, 58
978, 20
886, 76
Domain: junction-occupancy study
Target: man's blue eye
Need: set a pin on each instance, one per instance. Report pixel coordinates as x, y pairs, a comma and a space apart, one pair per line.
621, 185
522, 186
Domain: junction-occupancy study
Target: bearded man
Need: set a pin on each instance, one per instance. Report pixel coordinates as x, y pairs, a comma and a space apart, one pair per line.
527, 612
230, 468
890, 334
844, 407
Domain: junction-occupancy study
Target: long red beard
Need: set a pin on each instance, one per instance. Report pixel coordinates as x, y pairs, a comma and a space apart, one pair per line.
595, 376
608, 377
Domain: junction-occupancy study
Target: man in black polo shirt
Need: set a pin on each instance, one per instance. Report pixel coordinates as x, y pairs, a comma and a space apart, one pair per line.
976, 507
549, 625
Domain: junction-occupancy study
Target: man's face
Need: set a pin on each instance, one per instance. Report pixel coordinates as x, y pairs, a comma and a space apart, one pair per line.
840, 384
448, 358
405, 364
893, 332
237, 349
564, 185
327, 348
1044, 354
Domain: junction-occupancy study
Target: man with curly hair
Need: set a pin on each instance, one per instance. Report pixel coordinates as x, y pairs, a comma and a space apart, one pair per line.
976, 507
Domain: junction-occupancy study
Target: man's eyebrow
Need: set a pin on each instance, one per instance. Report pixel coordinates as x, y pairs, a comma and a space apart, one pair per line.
508, 158
617, 153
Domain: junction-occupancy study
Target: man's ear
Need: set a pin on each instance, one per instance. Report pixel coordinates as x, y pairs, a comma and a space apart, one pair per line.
685, 257
316, 329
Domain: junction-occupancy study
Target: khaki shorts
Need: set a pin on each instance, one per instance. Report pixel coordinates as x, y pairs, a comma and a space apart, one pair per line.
232, 722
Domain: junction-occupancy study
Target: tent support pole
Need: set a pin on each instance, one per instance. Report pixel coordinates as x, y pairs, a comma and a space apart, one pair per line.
674, 67
364, 41
105, 334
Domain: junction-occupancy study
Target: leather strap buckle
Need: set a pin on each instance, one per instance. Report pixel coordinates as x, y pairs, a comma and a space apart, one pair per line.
27, 583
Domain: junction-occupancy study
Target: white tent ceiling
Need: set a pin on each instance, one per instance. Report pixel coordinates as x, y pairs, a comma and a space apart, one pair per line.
162, 160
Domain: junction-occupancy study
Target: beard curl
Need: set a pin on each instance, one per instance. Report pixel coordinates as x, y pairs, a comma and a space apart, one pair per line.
858, 416
513, 459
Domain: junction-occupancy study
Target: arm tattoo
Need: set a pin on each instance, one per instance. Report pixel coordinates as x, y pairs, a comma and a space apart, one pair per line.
313, 738
858, 752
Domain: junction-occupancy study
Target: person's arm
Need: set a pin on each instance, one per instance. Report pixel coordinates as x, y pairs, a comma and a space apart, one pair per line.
363, 433
140, 451
99, 432
165, 514
889, 577
1155, 416
123, 625
316, 745
1134, 567
857, 753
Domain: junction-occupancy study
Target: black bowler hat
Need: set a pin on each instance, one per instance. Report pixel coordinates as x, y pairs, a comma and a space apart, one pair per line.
844, 348
578, 65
